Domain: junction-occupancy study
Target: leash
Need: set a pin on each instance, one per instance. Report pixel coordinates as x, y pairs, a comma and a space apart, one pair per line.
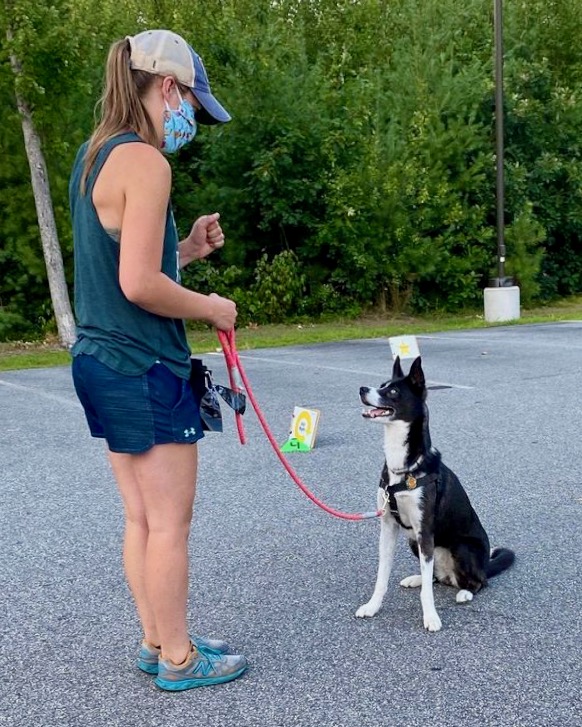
234, 374
239, 381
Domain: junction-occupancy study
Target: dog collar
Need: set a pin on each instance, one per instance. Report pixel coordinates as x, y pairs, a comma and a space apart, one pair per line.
414, 466
409, 470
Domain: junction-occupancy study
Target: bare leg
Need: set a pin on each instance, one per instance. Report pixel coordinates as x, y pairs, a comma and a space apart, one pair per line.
158, 489
135, 541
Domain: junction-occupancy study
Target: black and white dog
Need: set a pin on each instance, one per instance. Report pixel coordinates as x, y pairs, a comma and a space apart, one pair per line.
419, 494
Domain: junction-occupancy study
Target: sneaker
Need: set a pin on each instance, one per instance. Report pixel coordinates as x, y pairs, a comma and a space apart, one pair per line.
147, 659
201, 670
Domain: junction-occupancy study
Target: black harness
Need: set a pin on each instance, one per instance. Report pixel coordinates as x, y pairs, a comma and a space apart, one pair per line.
408, 484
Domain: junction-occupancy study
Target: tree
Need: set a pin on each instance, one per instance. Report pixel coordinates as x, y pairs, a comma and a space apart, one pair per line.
42, 195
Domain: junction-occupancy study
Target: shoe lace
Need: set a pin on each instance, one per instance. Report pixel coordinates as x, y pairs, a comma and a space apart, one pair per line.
211, 658
209, 662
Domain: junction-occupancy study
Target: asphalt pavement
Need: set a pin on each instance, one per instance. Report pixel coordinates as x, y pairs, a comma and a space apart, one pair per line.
279, 578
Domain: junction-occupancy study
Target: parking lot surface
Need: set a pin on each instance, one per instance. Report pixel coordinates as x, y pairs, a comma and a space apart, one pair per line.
281, 579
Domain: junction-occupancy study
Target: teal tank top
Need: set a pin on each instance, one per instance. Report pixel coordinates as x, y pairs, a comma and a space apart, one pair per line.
119, 333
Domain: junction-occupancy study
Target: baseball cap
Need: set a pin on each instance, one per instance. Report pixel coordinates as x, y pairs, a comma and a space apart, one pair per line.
167, 54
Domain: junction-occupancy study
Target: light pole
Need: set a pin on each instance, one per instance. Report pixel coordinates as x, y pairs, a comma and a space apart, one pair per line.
500, 177
502, 297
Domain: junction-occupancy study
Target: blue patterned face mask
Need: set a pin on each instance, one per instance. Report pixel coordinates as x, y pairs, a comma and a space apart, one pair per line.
179, 126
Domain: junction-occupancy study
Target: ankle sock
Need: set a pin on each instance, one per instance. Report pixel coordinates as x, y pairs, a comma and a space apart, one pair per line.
183, 663
151, 645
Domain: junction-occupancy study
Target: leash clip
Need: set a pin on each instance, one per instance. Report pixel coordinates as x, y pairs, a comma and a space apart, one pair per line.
386, 503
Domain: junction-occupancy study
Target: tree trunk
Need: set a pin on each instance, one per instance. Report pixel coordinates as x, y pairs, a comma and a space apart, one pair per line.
46, 219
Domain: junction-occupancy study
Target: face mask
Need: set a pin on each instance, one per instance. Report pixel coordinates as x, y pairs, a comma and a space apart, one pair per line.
179, 126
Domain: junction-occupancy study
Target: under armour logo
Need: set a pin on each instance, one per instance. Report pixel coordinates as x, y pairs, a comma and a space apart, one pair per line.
188, 432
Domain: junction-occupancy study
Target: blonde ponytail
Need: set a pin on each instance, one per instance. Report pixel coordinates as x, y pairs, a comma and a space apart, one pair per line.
121, 105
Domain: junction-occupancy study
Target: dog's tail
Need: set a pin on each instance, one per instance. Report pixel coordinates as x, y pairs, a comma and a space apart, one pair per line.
501, 559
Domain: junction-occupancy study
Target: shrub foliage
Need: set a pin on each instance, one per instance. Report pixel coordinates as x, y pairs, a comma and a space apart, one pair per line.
359, 168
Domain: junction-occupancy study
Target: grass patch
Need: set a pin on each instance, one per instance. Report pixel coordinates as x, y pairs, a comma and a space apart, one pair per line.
32, 355
23, 355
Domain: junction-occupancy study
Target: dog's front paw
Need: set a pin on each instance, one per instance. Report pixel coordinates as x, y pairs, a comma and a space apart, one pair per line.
432, 621
368, 609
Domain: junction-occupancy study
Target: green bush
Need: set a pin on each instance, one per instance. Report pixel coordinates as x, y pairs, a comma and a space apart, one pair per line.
278, 288
525, 254
14, 327
359, 167
274, 296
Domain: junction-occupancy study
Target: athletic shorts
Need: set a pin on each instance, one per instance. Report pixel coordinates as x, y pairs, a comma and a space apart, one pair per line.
133, 413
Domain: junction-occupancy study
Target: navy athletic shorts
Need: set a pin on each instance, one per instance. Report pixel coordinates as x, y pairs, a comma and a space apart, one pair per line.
133, 413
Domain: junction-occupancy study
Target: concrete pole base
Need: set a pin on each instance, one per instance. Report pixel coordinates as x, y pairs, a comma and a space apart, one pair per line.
501, 304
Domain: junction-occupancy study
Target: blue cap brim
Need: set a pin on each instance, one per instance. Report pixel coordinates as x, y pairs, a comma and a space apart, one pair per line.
211, 112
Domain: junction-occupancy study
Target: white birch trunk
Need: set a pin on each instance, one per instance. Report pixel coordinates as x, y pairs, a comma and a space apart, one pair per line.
46, 219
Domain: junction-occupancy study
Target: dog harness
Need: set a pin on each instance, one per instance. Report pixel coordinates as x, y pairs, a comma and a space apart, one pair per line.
409, 483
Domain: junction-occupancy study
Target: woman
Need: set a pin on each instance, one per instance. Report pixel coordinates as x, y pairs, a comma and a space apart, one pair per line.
131, 361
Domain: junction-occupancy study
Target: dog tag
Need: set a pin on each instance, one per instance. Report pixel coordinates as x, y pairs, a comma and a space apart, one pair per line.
410, 482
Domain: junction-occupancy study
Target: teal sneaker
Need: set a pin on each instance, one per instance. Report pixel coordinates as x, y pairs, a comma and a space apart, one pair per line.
202, 669
147, 659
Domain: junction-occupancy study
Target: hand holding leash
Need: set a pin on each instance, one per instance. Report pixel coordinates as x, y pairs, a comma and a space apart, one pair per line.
224, 313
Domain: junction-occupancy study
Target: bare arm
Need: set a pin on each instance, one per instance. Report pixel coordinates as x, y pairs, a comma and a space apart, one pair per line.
147, 191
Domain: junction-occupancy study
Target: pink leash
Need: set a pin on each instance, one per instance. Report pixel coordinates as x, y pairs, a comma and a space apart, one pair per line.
238, 382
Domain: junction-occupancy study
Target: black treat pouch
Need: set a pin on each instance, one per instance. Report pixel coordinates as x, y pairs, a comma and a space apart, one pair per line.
236, 400
205, 394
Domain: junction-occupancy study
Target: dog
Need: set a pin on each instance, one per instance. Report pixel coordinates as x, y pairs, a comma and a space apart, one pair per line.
423, 497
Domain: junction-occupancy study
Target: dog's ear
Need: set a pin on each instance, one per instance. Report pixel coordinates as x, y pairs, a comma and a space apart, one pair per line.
416, 374
397, 372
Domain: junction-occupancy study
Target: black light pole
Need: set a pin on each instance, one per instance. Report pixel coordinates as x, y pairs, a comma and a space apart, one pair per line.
502, 297
500, 281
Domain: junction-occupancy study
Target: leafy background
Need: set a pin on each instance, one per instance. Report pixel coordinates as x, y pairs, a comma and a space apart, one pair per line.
358, 172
